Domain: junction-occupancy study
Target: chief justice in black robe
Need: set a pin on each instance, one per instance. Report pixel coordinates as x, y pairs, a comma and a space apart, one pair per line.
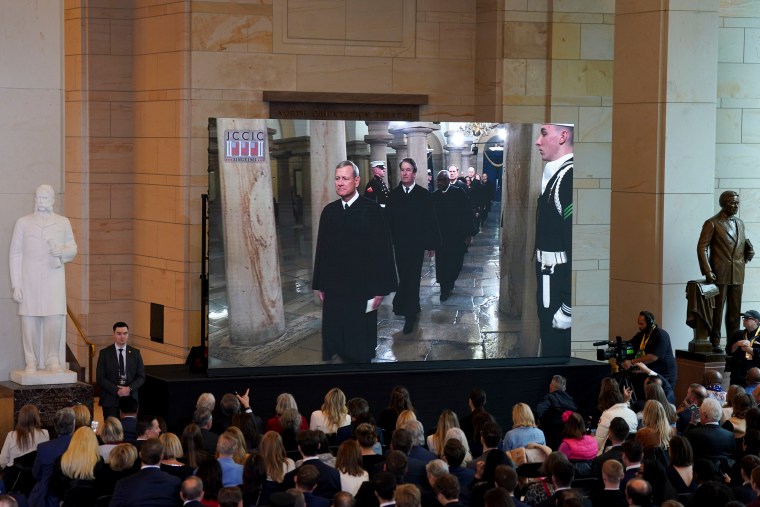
352, 235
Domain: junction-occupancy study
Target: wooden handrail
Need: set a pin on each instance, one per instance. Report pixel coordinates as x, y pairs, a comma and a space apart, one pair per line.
90, 346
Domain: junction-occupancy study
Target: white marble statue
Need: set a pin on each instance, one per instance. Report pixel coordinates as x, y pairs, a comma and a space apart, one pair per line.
42, 243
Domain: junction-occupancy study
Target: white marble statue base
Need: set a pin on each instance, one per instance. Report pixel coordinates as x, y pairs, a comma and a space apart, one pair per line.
41, 377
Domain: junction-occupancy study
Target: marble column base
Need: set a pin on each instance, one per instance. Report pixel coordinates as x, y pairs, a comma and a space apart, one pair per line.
41, 377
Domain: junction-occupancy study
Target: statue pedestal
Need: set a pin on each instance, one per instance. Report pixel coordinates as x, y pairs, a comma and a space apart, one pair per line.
48, 398
43, 377
692, 367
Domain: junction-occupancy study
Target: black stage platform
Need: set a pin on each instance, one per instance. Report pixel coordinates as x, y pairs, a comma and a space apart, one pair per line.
171, 390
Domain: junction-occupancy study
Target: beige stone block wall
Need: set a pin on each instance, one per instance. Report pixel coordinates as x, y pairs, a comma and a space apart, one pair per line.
738, 122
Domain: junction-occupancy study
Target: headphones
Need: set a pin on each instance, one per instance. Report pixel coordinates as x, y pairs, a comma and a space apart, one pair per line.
648, 318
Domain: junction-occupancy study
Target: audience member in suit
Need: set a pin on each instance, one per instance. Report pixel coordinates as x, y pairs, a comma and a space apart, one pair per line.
407, 495
328, 482
688, 411
358, 410
448, 490
506, 479
232, 473
128, 408
47, 453
618, 433
562, 477
401, 440
232, 404
477, 402
394, 464
203, 418
147, 427
632, 454
709, 440
490, 436
611, 495
638, 492
384, 485
115, 383
191, 492
453, 453
434, 470
550, 409
745, 493
485, 477
418, 442
306, 482
149, 486
230, 496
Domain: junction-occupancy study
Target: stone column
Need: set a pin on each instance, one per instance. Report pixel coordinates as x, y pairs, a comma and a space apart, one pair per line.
284, 187
327, 149
454, 149
521, 186
252, 265
659, 168
400, 146
416, 135
378, 139
467, 154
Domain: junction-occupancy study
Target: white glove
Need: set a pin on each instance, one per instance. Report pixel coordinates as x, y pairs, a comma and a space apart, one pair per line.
561, 321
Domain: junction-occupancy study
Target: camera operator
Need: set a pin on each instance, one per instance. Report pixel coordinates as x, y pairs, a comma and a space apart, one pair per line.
653, 350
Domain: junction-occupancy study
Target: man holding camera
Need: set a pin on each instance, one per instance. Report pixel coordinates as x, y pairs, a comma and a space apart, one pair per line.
653, 349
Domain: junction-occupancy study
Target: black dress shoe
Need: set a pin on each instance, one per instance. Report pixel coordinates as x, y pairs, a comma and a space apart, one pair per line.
409, 325
445, 294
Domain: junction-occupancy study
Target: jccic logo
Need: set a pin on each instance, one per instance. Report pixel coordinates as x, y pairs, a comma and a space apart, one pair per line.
245, 145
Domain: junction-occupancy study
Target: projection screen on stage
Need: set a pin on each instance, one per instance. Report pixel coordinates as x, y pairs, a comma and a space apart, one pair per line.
269, 181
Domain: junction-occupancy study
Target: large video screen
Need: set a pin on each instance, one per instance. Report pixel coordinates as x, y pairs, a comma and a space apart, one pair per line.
478, 269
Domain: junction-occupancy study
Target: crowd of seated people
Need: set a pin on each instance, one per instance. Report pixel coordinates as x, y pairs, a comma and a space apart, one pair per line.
705, 452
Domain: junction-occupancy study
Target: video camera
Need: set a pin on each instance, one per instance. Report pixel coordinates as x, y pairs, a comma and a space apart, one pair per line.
618, 349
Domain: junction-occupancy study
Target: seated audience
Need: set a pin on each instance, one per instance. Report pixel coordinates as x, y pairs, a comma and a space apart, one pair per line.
632, 455
285, 401
680, 472
485, 477
418, 442
550, 409
476, 402
506, 479
328, 482
403, 418
240, 449
172, 454
289, 422
653, 471
122, 462
433, 470
230, 497
454, 453
349, 466
306, 481
612, 404
192, 446
47, 453
576, 444
562, 476
25, 438
744, 492
448, 419
205, 420
111, 434
406, 495
147, 427
149, 486
82, 416
709, 440
210, 473
247, 426
399, 402
232, 472
490, 435
128, 408
524, 430
740, 404
332, 415
77, 470
638, 492
543, 488
358, 411
617, 435
458, 434
366, 437
191, 492
448, 489
657, 430
611, 495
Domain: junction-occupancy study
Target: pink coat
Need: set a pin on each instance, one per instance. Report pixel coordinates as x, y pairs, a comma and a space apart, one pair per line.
575, 449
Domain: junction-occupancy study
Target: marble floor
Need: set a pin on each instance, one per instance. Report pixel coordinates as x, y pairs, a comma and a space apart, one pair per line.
466, 326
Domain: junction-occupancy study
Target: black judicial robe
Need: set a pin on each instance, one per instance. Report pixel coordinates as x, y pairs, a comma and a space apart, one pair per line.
348, 241
454, 215
414, 229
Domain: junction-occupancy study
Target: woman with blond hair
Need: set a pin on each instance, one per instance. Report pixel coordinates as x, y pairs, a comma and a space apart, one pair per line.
264, 472
74, 476
332, 415
435, 442
657, 430
524, 430
25, 438
349, 465
111, 434
404, 417
170, 459
82, 416
284, 402
240, 452
122, 462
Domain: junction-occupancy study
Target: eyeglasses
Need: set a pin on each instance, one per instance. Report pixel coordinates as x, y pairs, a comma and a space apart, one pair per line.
748, 318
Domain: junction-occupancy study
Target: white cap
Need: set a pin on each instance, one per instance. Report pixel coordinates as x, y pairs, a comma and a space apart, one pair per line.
377, 163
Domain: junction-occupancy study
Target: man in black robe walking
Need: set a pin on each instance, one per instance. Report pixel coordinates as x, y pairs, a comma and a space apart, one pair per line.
352, 234
411, 217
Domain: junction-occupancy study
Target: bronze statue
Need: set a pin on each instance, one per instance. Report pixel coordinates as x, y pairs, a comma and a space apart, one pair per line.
723, 251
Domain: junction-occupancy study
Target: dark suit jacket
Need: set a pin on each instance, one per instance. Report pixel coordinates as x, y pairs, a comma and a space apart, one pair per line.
129, 425
209, 441
728, 249
615, 453
711, 442
412, 220
108, 374
313, 500
149, 486
42, 470
415, 472
744, 493
609, 498
193, 503
328, 482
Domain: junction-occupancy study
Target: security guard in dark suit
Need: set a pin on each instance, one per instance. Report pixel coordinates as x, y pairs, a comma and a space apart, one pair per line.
376, 189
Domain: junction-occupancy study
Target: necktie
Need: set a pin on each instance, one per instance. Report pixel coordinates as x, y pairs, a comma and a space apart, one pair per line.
121, 361
345, 205
407, 190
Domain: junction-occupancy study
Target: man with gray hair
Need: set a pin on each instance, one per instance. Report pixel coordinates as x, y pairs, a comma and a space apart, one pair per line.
204, 419
207, 401
550, 409
418, 451
353, 270
709, 440
47, 453
435, 469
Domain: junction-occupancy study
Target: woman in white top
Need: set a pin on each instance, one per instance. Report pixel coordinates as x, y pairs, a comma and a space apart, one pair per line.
276, 461
25, 438
333, 415
447, 420
613, 404
111, 435
349, 465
